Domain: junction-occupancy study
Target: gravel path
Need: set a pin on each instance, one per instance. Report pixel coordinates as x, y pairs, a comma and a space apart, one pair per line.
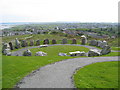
20, 51
59, 74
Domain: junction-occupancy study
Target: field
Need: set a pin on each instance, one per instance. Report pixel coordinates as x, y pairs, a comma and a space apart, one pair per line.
98, 75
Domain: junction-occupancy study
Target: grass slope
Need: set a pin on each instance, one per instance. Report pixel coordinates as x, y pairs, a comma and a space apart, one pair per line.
15, 68
97, 75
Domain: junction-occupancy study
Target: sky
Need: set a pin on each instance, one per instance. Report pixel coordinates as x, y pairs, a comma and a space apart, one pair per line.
59, 11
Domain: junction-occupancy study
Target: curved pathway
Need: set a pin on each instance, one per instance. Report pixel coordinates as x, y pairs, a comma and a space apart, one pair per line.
59, 74
20, 51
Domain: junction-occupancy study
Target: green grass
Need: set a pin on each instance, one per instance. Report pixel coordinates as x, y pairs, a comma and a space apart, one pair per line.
47, 36
116, 48
113, 54
35, 37
15, 68
114, 42
41, 37
98, 75
10, 38
54, 50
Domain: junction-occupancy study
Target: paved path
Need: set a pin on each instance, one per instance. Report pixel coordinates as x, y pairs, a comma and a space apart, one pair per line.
59, 75
20, 51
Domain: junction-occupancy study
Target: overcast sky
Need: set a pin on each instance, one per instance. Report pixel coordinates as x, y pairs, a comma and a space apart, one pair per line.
59, 10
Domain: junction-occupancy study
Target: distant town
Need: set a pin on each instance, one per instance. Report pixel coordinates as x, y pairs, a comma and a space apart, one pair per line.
95, 30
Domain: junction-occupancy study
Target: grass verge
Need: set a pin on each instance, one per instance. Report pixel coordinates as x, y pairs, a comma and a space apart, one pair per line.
97, 75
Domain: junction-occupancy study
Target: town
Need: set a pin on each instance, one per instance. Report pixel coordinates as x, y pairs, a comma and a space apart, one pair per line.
95, 30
